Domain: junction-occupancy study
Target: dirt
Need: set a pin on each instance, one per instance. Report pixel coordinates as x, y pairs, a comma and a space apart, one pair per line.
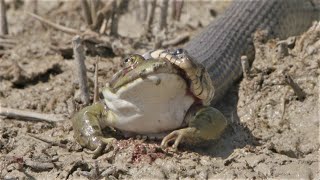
271, 133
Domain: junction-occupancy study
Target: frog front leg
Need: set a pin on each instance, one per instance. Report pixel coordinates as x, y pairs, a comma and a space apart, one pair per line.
204, 123
87, 125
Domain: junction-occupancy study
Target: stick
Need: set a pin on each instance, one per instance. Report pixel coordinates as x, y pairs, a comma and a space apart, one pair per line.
52, 143
114, 19
178, 6
31, 116
143, 6
96, 88
3, 19
86, 11
79, 56
296, 88
54, 25
175, 41
150, 14
93, 8
163, 14
245, 66
39, 166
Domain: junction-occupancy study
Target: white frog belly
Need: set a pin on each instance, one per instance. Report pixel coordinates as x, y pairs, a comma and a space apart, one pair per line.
154, 104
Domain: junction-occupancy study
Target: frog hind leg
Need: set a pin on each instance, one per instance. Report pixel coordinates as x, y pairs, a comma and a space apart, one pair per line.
204, 123
87, 129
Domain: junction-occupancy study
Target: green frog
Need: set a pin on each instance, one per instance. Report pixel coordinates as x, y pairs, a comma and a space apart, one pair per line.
163, 94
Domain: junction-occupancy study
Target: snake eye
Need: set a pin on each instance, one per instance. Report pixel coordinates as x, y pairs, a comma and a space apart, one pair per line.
178, 51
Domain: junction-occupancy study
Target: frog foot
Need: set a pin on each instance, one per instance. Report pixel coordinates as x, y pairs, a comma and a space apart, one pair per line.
201, 83
177, 136
87, 129
103, 142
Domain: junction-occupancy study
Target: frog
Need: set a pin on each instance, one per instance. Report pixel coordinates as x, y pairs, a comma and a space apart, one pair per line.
163, 94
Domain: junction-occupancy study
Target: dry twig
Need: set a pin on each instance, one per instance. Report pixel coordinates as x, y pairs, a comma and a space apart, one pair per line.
31, 116
96, 87
86, 11
114, 19
38, 165
52, 143
175, 41
79, 56
143, 10
176, 9
3, 19
245, 66
296, 88
150, 14
163, 14
54, 25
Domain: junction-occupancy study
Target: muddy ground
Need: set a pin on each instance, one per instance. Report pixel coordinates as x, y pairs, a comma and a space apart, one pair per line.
272, 133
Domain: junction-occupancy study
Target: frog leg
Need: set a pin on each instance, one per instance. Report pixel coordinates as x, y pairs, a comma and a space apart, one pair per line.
200, 82
87, 128
204, 123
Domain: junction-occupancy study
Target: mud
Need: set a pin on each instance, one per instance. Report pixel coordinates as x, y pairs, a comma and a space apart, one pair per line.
271, 133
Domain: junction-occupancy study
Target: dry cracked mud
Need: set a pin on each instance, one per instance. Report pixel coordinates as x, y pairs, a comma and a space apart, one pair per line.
272, 133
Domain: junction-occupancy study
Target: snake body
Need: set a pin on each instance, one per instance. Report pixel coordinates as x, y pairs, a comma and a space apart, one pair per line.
221, 44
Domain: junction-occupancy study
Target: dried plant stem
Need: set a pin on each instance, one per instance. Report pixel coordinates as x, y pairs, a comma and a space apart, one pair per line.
143, 6
94, 4
96, 83
54, 25
245, 66
176, 9
31, 116
296, 88
103, 15
175, 41
150, 14
163, 14
114, 19
52, 143
79, 56
3, 19
86, 11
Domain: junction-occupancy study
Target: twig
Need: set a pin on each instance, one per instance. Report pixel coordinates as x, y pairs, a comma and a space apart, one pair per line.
54, 25
86, 11
284, 103
150, 14
3, 18
52, 143
79, 56
245, 66
296, 88
163, 14
96, 87
176, 9
94, 4
103, 14
175, 41
39, 166
143, 6
31, 116
114, 19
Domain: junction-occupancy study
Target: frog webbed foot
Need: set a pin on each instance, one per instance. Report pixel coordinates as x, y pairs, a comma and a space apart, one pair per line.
177, 136
87, 129
204, 123
100, 145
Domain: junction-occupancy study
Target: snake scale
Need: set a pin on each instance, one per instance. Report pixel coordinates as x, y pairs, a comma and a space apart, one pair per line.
221, 44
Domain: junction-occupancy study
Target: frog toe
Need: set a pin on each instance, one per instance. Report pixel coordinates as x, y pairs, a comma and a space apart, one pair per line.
100, 146
176, 136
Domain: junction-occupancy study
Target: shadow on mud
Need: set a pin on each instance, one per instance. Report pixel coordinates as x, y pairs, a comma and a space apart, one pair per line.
236, 135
